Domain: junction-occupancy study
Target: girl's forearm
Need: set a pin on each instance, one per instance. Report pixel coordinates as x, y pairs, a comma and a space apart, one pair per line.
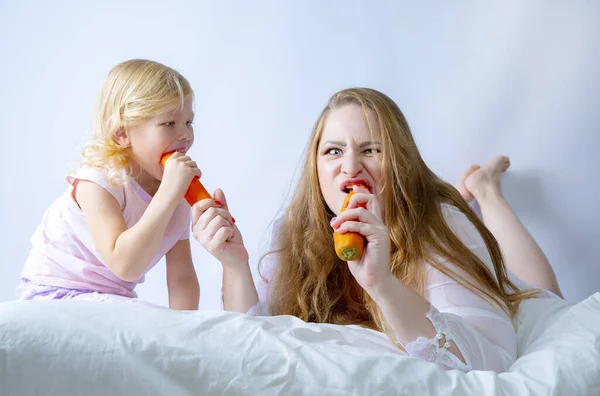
135, 247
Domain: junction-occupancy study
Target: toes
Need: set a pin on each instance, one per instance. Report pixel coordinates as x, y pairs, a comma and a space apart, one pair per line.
499, 161
498, 164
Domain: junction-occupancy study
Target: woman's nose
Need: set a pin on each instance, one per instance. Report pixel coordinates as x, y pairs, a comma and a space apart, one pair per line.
351, 165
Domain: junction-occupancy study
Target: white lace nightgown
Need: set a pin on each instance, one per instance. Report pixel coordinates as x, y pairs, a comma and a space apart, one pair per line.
482, 331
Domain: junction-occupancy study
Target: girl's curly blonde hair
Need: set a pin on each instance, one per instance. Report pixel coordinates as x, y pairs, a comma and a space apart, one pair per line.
133, 92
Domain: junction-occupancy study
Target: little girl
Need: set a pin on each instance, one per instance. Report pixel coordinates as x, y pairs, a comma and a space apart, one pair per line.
122, 212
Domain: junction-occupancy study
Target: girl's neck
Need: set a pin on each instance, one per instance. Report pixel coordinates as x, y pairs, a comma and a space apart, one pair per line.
146, 181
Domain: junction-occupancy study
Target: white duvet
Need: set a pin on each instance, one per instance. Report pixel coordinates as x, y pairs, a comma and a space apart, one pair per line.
93, 348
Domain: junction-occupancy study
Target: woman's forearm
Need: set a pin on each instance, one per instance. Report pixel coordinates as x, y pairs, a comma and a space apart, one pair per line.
239, 292
406, 312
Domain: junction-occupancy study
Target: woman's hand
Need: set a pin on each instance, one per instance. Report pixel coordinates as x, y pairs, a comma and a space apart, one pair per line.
215, 229
373, 269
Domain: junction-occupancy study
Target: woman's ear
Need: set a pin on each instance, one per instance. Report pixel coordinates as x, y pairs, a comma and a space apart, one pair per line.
121, 136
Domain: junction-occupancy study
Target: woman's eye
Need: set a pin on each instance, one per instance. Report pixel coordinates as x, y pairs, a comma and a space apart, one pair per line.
373, 151
189, 123
334, 151
169, 123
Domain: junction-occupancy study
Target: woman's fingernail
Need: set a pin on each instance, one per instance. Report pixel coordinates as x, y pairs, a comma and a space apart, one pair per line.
218, 202
232, 219
332, 220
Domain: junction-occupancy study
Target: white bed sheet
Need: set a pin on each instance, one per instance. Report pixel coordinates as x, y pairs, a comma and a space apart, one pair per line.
93, 348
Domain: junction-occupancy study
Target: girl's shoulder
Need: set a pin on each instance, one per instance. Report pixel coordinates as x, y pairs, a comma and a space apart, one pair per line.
116, 184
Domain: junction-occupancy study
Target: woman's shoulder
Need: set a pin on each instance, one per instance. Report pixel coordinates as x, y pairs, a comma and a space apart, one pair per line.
274, 234
451, 211
460, 224
269, 254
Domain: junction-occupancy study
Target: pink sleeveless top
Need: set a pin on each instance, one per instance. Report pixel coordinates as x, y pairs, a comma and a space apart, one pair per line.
63, 252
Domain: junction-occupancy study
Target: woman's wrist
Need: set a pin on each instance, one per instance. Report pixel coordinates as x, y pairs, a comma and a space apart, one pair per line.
384, 292
236, 268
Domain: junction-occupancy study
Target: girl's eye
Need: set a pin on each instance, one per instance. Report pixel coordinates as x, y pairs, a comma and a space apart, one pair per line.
334, 151
169, 123
189, 123
373, 151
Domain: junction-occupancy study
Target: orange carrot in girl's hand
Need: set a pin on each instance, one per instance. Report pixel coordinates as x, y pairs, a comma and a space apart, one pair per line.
196, 192
349, 246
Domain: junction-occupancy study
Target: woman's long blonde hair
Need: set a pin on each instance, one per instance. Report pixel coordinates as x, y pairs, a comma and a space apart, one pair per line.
133, 92
312, 283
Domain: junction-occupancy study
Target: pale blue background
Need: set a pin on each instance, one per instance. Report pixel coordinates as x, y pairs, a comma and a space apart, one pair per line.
473, 78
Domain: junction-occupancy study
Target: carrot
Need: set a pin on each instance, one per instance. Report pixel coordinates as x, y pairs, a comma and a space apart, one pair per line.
349, 246
196, 192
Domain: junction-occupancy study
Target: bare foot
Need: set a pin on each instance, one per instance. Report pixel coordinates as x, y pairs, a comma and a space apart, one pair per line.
486, 180
460, 186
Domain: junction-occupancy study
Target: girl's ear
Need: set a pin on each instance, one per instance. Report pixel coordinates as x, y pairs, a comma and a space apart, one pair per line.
121, 136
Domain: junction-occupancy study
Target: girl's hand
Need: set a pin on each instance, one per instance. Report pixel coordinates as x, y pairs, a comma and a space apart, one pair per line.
373, 269
178, 173
213, 226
